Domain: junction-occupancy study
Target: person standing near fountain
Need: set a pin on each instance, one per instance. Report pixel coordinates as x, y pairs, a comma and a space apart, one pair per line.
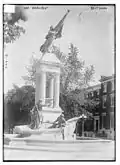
36, 115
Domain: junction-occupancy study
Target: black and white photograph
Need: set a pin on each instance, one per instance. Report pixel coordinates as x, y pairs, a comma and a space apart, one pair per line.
59, 82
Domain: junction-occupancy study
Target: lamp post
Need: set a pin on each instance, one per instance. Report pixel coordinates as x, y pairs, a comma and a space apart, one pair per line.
83, 117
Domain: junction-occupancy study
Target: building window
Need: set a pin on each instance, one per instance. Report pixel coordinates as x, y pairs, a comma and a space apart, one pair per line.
103, 119
111, 119
104, 101
112, 99
112, 85
105, 87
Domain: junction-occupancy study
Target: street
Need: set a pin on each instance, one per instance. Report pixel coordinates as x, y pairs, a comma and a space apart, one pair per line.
76, 151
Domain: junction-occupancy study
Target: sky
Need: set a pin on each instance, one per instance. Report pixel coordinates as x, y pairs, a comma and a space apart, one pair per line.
92, 32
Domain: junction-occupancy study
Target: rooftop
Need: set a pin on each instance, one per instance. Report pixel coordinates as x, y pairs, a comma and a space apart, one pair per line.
105, 78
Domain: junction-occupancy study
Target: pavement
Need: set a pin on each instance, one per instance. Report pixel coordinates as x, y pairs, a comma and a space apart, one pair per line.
61, 151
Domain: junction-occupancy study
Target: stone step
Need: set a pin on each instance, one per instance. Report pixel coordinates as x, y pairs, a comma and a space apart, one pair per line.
49, 141
54, 148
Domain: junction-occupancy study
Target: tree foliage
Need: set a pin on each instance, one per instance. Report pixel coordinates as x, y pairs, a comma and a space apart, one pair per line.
31, 70
12, 29
17, 105
12, 32
75, 104
24, 95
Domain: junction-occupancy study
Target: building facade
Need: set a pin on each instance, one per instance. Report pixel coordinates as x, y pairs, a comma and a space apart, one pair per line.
104, 93
107, 99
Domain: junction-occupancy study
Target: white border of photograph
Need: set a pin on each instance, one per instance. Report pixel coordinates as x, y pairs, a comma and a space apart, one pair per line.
117, 74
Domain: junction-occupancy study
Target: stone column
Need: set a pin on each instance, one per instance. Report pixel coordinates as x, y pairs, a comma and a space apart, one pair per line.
56, 90
51, 90
42, 87
37, 87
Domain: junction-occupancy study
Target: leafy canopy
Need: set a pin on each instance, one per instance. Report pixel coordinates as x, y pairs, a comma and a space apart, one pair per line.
24, 96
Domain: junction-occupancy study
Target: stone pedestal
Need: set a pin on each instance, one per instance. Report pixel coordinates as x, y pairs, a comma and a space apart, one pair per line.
49, 64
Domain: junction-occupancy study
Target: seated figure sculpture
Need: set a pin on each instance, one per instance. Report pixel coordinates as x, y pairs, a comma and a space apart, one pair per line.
59, 123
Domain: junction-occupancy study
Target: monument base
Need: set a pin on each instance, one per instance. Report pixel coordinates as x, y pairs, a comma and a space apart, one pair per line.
50, 114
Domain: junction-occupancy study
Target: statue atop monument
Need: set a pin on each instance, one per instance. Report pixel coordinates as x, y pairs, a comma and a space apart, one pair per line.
54, 33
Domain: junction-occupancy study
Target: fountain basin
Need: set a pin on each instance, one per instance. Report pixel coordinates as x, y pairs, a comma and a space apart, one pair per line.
44, 138
37, 148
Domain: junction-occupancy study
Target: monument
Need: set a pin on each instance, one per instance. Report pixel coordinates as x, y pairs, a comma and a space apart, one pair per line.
48, 86
48, 75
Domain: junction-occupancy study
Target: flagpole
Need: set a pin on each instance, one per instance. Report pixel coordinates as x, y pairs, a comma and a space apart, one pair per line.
61, 21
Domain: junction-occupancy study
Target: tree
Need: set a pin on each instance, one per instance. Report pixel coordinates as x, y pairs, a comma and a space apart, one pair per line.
31, 70
12, 32
17, 105
23, 95
11, 27
92, 105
